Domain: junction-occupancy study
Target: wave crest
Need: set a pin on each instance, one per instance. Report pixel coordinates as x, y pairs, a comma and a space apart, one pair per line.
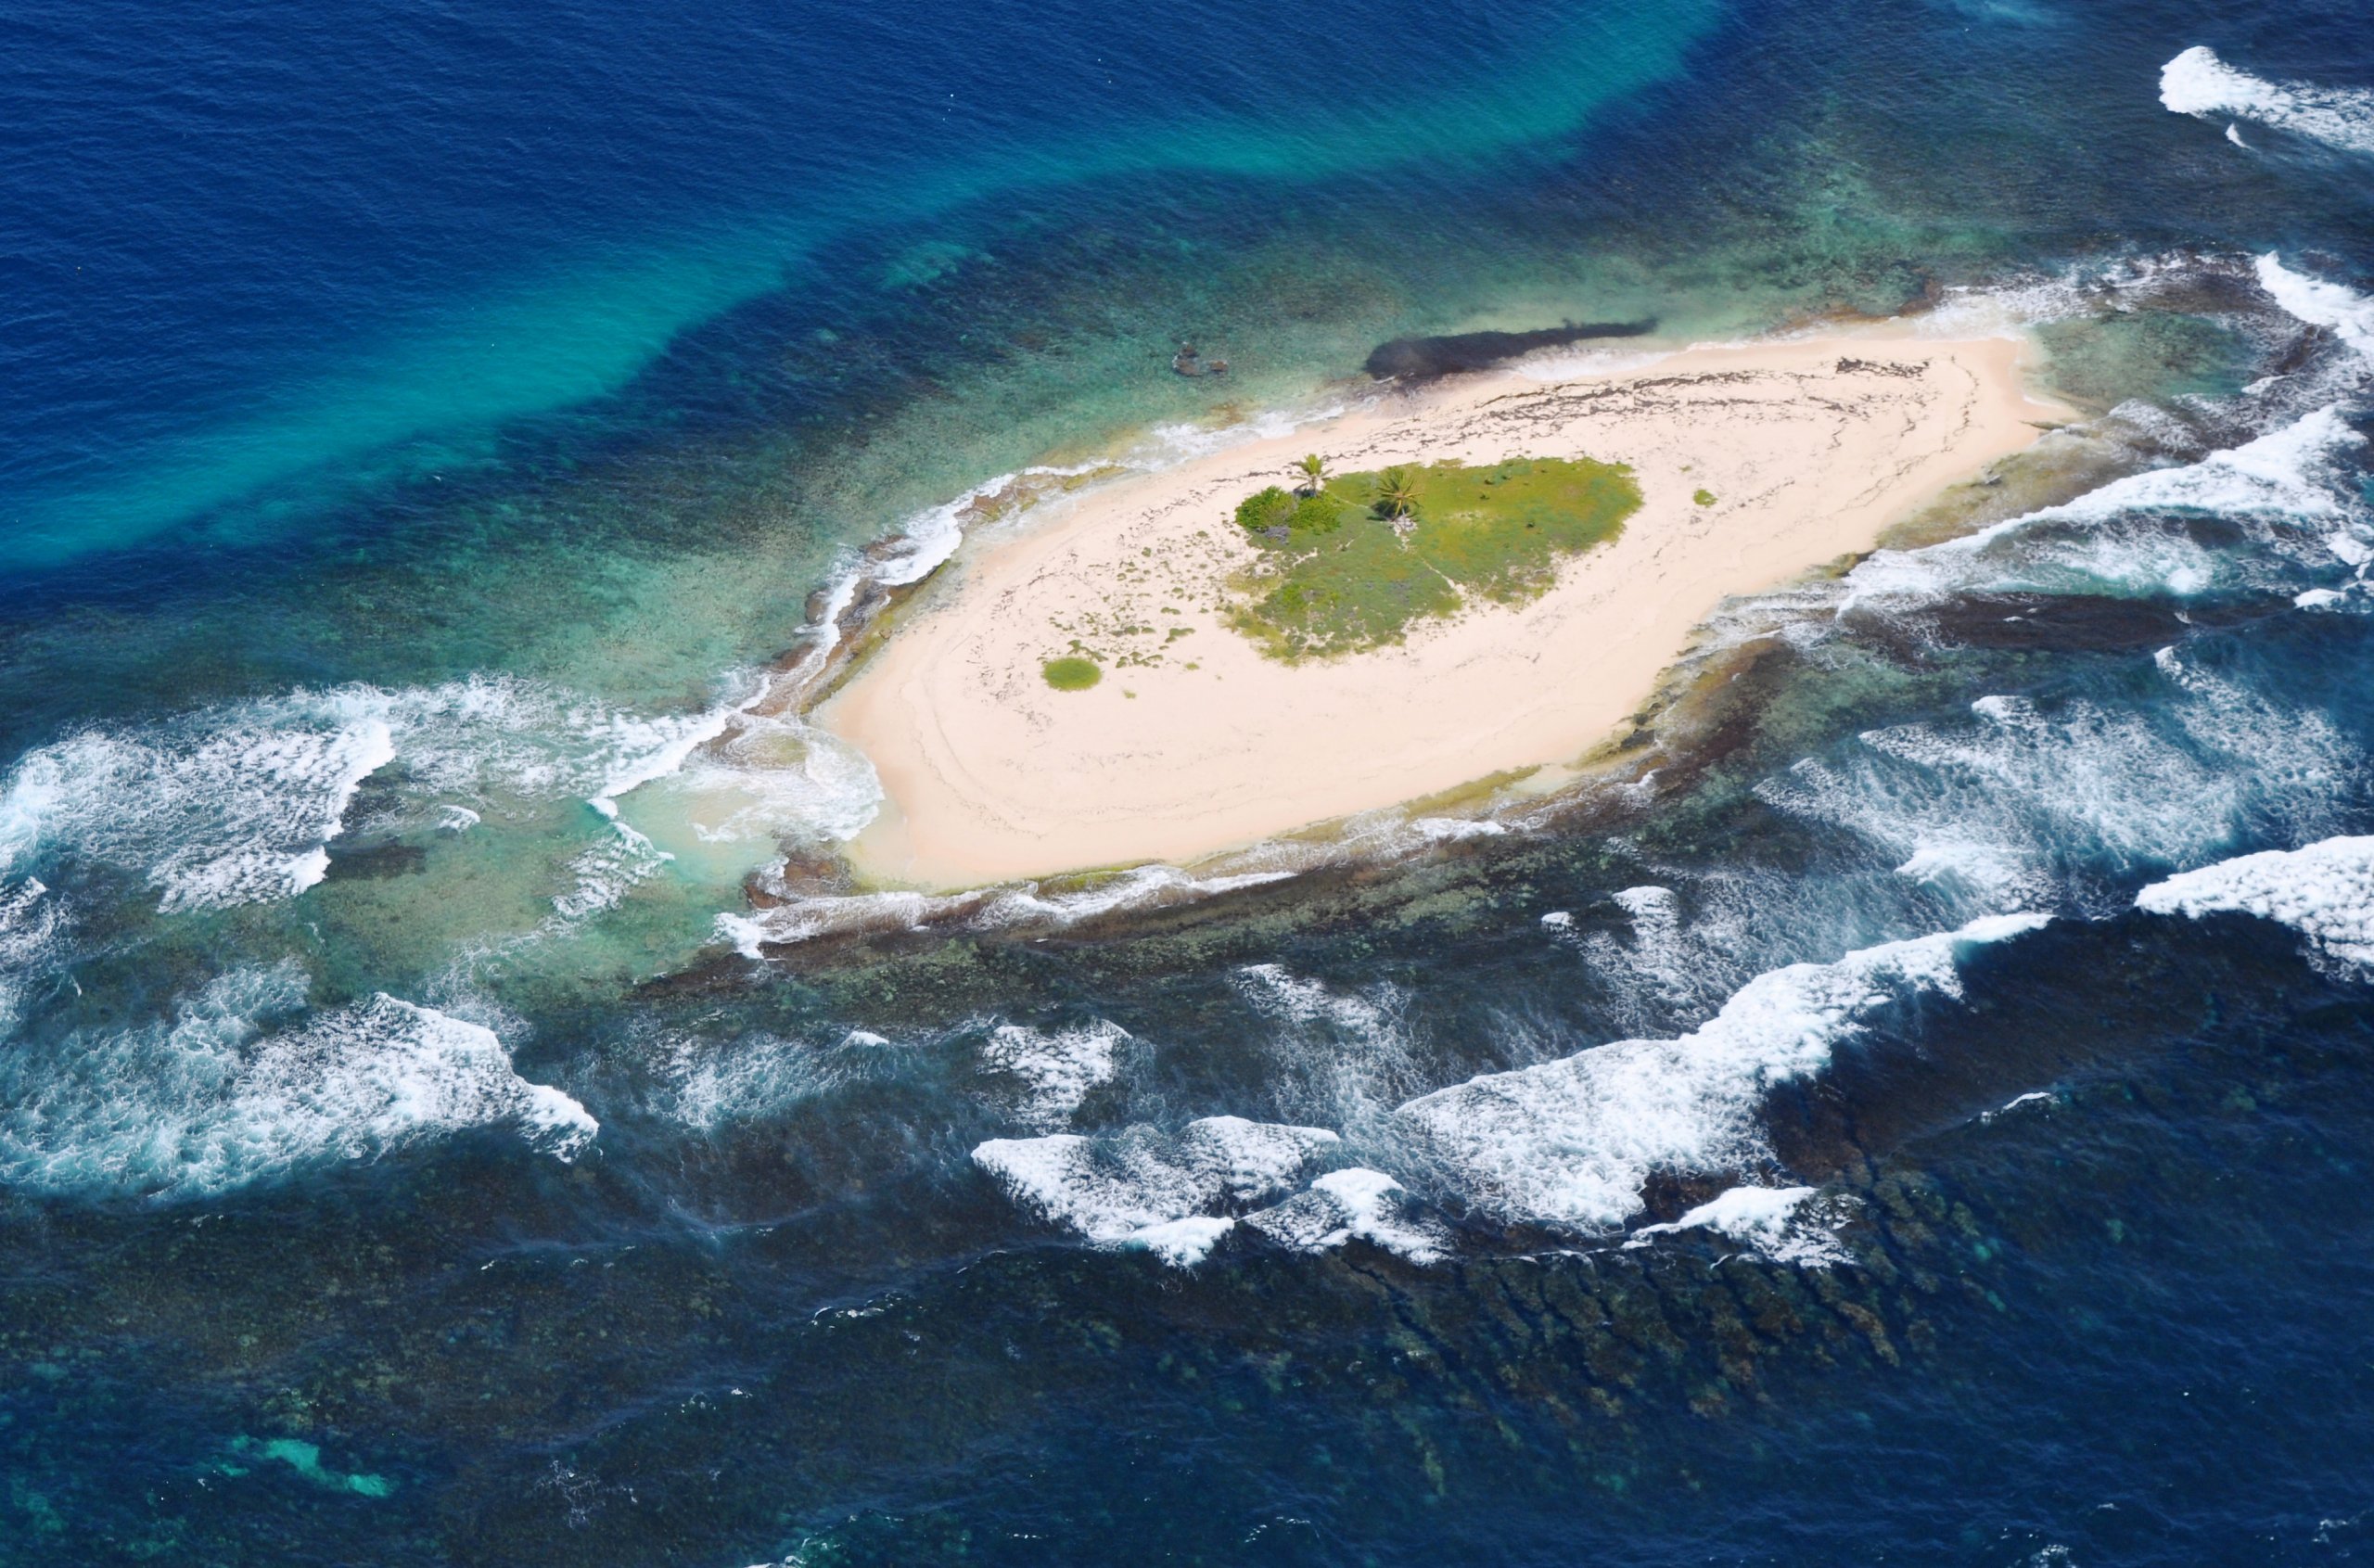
1571, 1143
2199, 83
240, 1086
2325, 892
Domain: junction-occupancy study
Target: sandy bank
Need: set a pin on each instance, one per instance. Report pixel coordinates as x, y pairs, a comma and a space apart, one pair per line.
1198, 743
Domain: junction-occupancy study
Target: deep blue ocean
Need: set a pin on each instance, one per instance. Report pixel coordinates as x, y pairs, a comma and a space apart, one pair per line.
1919, 1109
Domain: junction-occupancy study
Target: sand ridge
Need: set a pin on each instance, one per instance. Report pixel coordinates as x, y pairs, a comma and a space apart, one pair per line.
1194, 741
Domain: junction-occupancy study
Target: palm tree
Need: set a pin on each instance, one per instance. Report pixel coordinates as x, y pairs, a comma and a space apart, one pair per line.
1397, 492
1313, 469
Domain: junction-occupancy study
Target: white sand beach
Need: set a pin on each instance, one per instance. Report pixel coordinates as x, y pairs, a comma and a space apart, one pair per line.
1812, 449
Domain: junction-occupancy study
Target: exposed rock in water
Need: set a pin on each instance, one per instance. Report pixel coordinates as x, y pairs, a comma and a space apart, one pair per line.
1418, 358
1188, 361
376, 860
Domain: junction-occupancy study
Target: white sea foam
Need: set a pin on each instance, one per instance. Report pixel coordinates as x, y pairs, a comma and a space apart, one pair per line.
772, 776
1183, 1243
2288, 476
2294, 764
606, 870
2032, 1097
1141, 887
1168, 445
1133, 1186
1280, 995
1017, 907
1989, 814
1055, 1071
2010, 306
33, 927
1451, 830
2197, 83
242, 1085
2349, 316
1669, 965
1342, 1057
2325, 892
707, 1084
238, 803
1785, 1224
1570, 1143
1574, 362
231, 812
1348, 1204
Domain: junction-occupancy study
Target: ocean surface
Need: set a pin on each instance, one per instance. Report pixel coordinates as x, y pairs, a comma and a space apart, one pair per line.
1920, 1109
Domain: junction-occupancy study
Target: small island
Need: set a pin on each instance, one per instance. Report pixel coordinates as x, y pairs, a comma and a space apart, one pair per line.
1482, 576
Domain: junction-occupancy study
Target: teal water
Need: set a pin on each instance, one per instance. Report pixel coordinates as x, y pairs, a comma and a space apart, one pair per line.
572, 317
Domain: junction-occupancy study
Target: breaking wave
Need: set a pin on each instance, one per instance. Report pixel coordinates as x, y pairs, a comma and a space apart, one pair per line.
233, 809
1164, 1191
2289, 478
1359, 1202
242, 803
2023, 805
2325, 892
1785, 1224
31, 927
2197, 83
239, 1085
709, 1085
2348, 316
1570, 1144
1054, 1073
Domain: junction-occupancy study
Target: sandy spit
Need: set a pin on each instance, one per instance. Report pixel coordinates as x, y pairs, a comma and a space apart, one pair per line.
1812, 448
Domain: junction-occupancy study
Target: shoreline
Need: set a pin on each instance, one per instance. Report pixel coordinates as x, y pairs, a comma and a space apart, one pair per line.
1195, 742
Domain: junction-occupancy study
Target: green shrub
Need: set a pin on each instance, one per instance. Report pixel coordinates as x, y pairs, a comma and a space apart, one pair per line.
1705, 498
1265, 509
1318, 514
1071, 674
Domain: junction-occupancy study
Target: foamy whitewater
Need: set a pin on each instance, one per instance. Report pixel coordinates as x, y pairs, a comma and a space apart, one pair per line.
2197, 83
241, 805
241, 1085
2284, 484
238, 804
1146, 1188
2007, 810
2325, 892
1569, 1143
1776, 1222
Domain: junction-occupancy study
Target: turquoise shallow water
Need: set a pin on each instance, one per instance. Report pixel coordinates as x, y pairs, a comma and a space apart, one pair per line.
446, 296
423, 431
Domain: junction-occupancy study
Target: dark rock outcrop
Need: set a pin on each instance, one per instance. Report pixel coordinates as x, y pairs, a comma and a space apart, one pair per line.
1420, 359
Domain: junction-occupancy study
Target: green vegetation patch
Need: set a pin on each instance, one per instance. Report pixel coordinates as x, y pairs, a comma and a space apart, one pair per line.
1703, 497
1347, 567
1273, 511
1071, 674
